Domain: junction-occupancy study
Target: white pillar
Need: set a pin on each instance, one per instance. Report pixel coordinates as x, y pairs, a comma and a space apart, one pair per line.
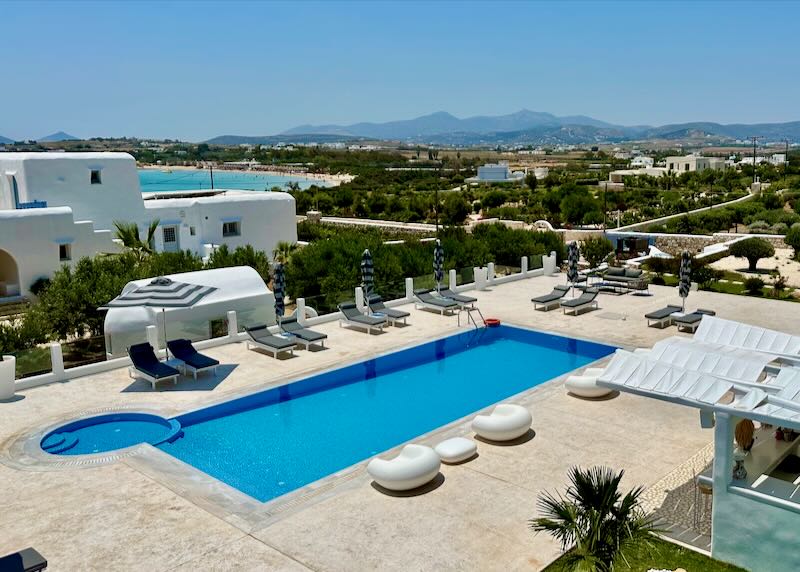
233, 325
723, 453
453, 280
409, 289
490, 273
8, 370
360, 302
57, 360
549, 264
480, 278
523, 265
152, 337
301, 310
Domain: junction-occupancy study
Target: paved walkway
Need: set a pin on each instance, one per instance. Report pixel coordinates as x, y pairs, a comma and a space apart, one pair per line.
122, 516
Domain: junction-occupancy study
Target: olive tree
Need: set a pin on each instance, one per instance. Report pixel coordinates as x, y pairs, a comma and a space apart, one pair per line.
753, 249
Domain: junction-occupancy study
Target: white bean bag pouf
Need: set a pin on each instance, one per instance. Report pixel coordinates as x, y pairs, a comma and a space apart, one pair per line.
415, 466
586, 385
505, 423
456, 449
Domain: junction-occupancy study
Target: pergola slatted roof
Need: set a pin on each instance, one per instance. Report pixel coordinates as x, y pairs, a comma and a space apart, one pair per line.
775, 401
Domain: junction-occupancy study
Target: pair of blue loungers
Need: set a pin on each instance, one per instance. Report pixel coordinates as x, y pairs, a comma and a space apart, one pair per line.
295, 334
674, 315
555, 299
445, 301
378, 317
147, 365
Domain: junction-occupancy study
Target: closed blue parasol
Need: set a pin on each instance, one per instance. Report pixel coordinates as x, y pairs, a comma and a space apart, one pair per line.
367, 274
685, 276
279, 289
573, 254
438, 264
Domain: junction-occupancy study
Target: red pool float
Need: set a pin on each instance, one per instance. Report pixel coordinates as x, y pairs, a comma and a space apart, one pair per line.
492, 322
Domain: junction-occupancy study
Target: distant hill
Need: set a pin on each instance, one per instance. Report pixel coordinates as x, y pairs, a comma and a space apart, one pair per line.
5, 140
273, 139
524, 127
59, 136
442, 122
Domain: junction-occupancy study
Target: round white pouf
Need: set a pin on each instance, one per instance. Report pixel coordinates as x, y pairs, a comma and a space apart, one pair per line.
415, 466
586, 385
456, 449
505, 423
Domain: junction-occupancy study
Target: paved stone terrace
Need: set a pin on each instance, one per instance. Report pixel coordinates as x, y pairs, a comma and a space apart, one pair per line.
119, 517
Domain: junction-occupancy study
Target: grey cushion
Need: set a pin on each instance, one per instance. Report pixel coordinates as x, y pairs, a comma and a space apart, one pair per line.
615, 271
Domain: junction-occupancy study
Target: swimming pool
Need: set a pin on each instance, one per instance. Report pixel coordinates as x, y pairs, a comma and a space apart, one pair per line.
275, 441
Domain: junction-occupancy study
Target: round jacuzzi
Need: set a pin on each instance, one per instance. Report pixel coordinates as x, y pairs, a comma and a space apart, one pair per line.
110, 432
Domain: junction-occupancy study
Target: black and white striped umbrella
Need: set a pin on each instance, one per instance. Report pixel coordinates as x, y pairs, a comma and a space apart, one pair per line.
685, 276
573, 254
161, 293
367, 274
279, 289
438, 264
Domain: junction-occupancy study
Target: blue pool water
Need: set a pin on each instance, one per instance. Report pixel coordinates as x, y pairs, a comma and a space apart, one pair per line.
109, 432
155, 180
272, 442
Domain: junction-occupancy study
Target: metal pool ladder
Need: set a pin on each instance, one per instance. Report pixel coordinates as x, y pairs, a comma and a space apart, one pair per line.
470, 317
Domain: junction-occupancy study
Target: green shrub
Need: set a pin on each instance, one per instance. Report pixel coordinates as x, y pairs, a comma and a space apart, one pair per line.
793, 239
754, 286
596, 249
705, 276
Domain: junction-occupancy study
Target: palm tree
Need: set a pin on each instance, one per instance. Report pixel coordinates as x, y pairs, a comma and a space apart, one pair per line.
593, 520
128, 234
283, 251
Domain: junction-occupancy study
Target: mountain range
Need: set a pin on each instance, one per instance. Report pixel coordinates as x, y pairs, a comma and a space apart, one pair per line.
522, 127
53, 137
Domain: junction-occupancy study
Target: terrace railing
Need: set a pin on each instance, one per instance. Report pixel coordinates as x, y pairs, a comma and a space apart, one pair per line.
60, 362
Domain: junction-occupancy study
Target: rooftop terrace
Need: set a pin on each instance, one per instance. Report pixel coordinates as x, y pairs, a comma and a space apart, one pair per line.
142, 512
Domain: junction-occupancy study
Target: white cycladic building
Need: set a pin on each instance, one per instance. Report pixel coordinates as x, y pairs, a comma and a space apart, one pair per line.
496, 173
641, 162
693, 163
240, 289
58, 207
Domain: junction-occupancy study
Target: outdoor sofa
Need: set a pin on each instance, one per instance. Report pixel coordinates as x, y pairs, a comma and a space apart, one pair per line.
376, 306
190, 359
622, 275
663, 316
303, 335
147, 366
262, 339
424, 299
551, 300
352, 316
587, 300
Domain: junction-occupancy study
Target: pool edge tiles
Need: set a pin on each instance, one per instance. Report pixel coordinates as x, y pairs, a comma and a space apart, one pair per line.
349, 383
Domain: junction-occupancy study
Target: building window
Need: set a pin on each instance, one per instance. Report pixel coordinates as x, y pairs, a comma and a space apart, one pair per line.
95, 177
231, 229
191, 231
64, 252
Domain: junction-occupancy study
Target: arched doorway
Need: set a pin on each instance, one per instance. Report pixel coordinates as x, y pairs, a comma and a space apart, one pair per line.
9, 275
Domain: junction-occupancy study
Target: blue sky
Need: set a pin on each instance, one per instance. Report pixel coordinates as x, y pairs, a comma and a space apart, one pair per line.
194, 70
